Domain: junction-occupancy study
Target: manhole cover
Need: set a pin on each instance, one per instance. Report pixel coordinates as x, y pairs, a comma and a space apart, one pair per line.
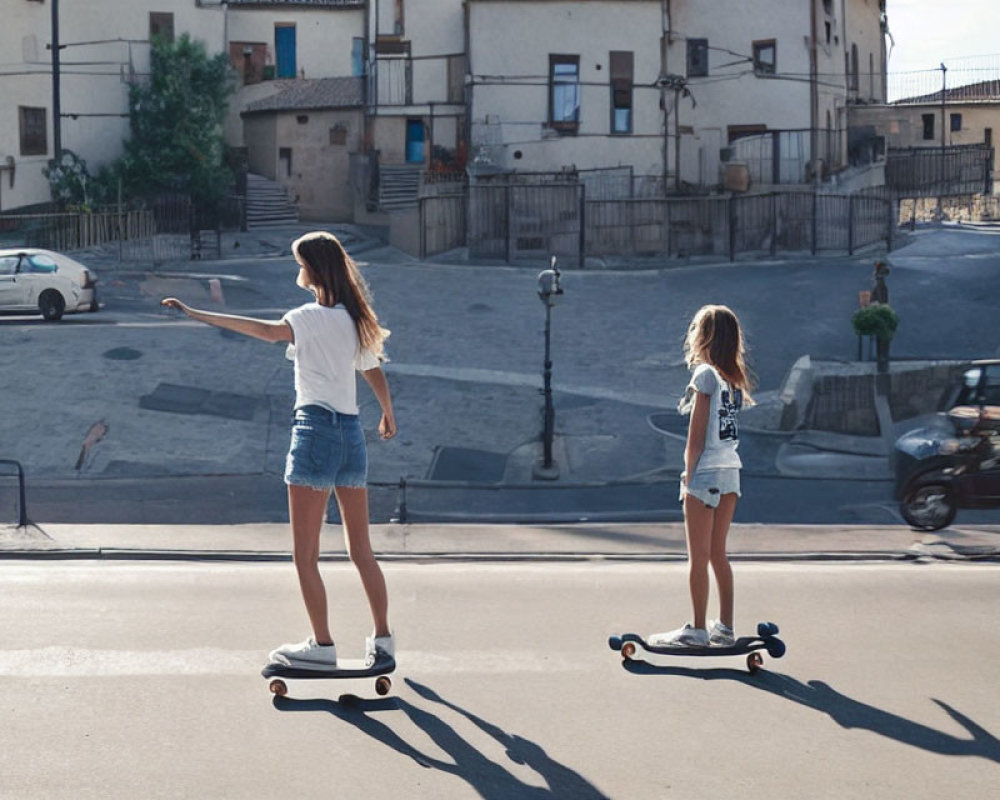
123, 354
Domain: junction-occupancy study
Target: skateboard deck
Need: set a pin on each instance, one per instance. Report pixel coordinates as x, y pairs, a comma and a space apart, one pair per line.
633, 647
346, 668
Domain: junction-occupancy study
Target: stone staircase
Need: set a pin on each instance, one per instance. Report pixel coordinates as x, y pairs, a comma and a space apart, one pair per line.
268, 204
399, 186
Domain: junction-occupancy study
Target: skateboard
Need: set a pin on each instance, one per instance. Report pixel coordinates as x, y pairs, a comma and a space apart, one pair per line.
633, 647
346, 668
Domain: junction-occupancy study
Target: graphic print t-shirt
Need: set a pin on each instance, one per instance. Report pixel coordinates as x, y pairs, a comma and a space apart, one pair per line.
723, 435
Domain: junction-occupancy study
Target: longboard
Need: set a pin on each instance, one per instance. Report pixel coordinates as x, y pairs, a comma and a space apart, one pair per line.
633, 647
346, 668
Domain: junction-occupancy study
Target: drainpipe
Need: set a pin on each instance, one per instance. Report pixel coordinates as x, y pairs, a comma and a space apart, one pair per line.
813, 93
664, 48
56, 105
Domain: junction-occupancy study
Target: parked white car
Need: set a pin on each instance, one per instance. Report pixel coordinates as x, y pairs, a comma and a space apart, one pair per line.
34, 281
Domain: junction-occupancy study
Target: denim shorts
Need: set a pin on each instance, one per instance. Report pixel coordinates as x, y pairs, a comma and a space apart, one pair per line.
709, 485
327, 450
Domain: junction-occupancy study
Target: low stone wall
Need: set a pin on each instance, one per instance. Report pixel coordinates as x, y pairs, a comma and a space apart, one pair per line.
967, 208
839, 397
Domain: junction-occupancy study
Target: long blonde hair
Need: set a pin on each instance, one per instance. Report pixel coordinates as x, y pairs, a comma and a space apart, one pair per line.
715, 337
337, 279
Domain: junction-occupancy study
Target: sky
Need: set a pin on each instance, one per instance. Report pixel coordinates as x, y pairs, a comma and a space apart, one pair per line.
927, 32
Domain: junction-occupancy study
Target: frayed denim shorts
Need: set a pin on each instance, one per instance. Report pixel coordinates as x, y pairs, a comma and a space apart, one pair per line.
709, 485
327, 450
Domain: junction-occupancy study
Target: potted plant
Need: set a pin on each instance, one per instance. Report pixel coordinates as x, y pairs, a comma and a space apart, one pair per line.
880, 321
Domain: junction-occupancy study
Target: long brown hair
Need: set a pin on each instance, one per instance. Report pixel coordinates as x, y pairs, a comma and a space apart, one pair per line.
336, 279
715, 337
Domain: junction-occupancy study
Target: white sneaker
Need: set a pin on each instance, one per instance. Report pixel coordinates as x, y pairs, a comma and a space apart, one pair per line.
688, 636
385, 644
307, 654
720, 634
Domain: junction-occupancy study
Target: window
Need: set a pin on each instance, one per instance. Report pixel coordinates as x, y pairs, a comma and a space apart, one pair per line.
39, 263
697, 58
765, 57
854, 67
564, 92
829, 30
956, 123
8, 265
871, 75
928, 120
357, 56
456, 78
161, 26
988, 137
34, 137
621, 91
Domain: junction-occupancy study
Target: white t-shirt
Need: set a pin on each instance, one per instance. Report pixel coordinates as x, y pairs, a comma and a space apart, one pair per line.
723, 436
326, 355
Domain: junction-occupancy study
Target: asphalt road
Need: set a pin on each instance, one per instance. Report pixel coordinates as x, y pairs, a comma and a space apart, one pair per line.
126, 680
465, 373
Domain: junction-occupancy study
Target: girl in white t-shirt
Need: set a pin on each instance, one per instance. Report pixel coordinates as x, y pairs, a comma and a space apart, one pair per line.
710, 484
330, 340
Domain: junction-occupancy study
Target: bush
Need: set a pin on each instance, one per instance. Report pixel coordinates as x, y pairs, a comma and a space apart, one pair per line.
878, 320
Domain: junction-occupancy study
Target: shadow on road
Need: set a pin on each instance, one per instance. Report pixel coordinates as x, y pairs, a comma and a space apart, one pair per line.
489, 778
848, 712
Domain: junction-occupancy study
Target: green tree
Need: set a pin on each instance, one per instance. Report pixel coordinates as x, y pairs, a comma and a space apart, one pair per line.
176, 122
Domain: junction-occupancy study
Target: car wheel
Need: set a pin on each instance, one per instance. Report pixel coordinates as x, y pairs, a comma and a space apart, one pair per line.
929, 506
52, 305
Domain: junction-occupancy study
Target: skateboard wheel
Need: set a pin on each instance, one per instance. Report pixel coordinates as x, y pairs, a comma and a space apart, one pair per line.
382, 686
754, 661
776, 648
628, 650
278, 687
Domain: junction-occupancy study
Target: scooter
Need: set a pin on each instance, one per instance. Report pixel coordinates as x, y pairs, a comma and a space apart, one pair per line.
952, 463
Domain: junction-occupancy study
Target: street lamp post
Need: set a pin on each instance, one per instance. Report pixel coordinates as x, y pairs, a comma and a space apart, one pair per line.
549, 289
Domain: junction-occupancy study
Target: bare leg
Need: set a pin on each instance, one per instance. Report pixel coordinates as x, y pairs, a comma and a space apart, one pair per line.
306, 512
720, 560
353, 503
698, 525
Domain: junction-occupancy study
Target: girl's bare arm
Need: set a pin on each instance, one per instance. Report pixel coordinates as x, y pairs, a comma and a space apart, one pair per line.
697, 428
266, 329
380, 386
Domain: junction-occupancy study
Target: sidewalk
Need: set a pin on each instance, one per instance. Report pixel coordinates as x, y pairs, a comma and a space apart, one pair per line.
624, 541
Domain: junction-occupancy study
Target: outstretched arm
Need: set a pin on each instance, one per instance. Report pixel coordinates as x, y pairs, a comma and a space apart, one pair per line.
380, 386
268, 330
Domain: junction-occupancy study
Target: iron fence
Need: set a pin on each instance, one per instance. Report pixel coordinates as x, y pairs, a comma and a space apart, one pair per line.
728, 226
940, 172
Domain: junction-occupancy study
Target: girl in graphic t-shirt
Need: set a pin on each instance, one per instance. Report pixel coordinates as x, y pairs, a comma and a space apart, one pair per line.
329, 340
710, 484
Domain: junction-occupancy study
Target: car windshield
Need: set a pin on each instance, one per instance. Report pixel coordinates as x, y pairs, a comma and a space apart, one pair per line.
979, 389
39, 263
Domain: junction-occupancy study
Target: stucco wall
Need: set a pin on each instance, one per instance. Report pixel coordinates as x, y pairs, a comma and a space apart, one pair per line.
519, 100
320, 179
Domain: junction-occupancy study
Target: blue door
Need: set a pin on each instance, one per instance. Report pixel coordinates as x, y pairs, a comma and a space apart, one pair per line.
415, 141
284, 50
